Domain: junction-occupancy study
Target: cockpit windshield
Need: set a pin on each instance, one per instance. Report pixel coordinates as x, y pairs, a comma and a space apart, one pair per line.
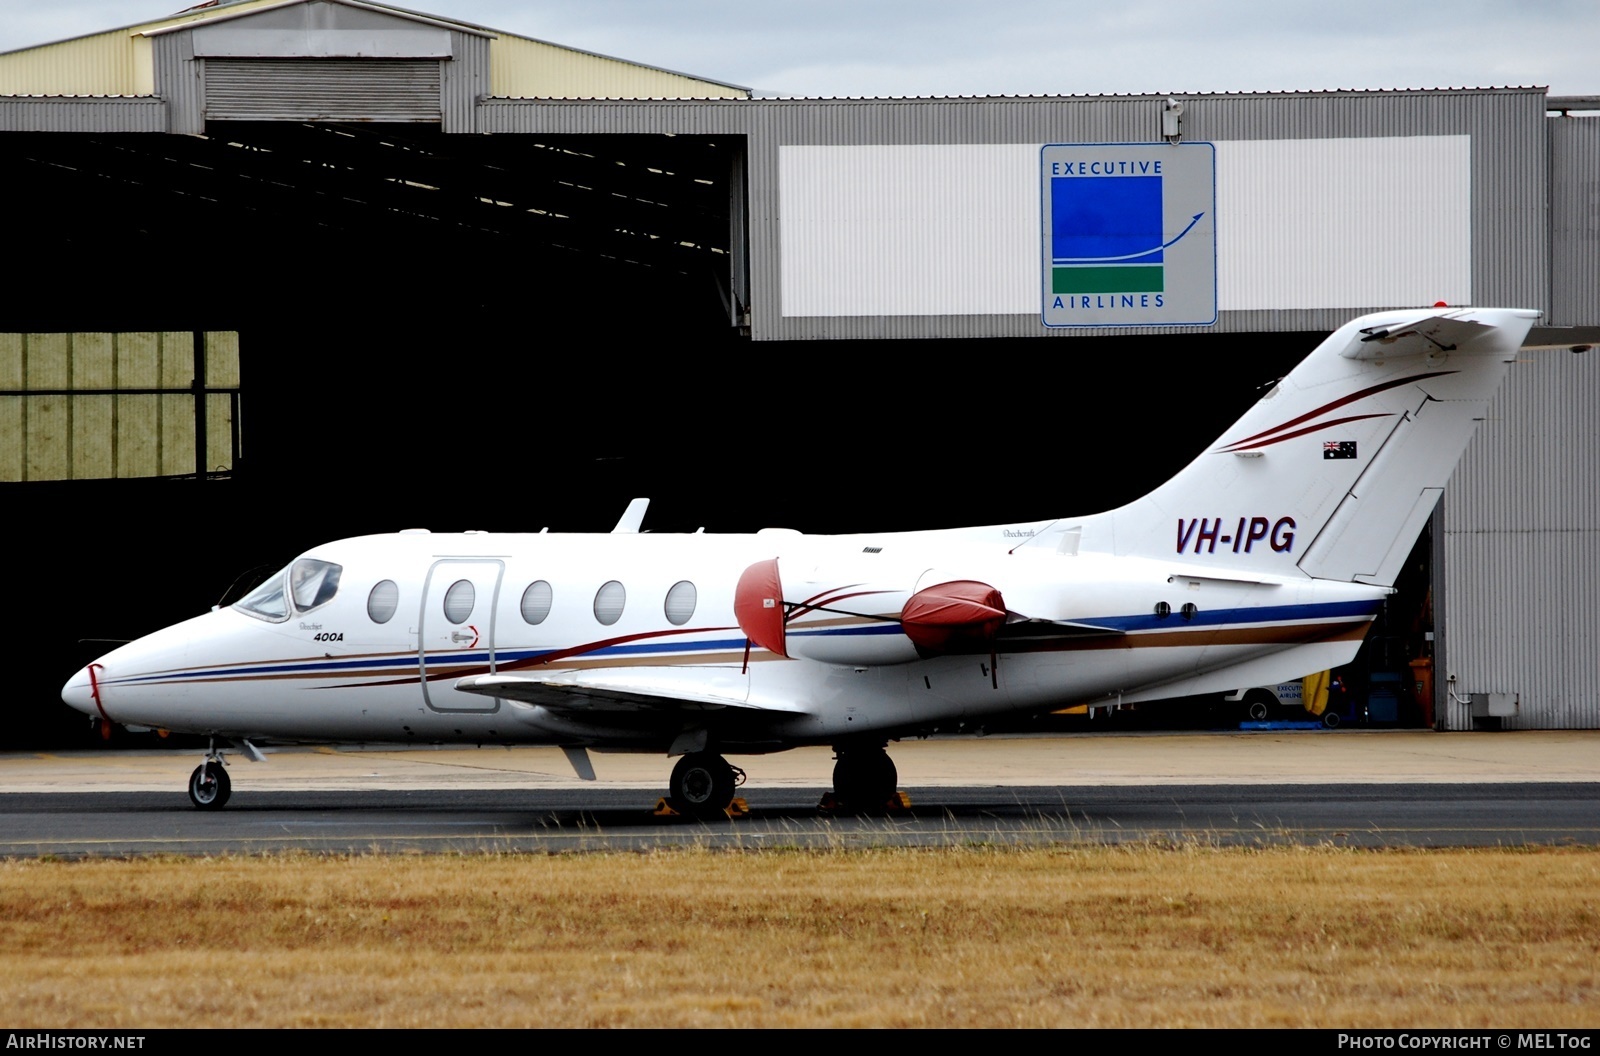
313, 582
310, 583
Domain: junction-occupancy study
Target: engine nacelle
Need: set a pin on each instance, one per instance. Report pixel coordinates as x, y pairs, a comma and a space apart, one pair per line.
864, 624
962, 615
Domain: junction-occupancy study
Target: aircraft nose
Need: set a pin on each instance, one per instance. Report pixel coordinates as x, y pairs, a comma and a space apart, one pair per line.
81, 690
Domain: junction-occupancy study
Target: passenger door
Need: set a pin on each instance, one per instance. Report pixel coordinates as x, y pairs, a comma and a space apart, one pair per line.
455, 634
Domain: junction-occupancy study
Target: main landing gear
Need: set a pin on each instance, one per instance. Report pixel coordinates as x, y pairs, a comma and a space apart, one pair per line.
702, 785
864, 779
209, 785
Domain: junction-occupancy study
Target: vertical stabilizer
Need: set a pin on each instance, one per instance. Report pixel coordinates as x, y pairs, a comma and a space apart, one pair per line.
1335, 471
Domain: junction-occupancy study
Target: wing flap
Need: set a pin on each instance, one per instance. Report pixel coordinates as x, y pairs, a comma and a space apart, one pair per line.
1040, 628
637, 688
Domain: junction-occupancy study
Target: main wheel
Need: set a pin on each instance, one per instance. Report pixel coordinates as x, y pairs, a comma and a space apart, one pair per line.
865, 778
702, 786
209, 786
1331, 719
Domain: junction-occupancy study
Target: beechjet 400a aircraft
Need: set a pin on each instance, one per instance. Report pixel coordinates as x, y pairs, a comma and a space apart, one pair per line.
1266, 558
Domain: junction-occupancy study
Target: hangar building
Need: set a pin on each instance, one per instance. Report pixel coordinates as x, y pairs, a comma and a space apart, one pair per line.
270, 254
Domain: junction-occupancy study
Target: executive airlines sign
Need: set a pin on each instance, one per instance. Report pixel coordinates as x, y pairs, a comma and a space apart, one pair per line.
1130, 235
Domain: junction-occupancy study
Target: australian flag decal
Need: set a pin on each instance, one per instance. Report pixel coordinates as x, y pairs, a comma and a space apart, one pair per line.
1338, 449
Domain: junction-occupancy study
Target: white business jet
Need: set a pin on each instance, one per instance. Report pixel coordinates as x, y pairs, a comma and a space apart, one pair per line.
1264, 559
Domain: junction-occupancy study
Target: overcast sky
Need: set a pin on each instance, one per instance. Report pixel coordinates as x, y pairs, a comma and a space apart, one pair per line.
1016, 47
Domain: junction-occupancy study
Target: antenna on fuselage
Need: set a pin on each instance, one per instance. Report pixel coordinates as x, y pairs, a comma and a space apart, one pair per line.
1035, 535
632, 517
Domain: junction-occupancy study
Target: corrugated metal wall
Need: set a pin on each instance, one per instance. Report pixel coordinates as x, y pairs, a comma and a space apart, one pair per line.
936, 230
465, 82
1343, 223
1507, 179
322, 90
1519, 569
83, 115
119, 62
115, 62
1501, 190
533, 69
180, 81
101, 64
96, 405
1574, 221
909, 230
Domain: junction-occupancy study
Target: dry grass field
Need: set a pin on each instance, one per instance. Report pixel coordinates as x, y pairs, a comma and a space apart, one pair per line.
1074, 936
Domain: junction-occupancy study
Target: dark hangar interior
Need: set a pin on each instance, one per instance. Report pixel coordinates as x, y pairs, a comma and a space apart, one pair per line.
507, 333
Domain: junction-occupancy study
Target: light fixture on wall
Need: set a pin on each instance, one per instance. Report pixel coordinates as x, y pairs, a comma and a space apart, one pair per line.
1172, 120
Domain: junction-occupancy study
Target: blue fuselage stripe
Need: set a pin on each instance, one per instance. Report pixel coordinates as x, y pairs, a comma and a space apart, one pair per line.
1261, 614
403, 662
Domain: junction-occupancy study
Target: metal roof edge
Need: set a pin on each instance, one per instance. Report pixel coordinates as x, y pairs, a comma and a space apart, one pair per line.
163, 26
129, 28
559, 99
466, 27
630, 62
1273, 93
397, 12
76, 96
1565, 103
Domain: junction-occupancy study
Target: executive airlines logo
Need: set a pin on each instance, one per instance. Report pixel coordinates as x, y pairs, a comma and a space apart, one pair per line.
1129, 234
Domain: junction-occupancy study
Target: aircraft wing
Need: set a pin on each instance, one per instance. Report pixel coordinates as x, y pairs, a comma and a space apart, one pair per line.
1039, 628
642, 688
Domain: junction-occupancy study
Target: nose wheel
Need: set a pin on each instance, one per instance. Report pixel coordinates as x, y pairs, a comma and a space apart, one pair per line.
209, 785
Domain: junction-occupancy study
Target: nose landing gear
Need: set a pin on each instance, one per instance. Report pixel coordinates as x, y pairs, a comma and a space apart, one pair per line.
209, 785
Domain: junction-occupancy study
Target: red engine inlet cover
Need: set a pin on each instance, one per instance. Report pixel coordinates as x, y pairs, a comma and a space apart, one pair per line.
758, 606
962, 612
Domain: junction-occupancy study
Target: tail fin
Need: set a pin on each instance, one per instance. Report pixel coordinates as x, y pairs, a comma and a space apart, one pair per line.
1336, 470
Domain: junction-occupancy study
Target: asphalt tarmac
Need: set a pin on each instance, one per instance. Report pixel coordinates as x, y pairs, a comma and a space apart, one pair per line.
1345, 787
1294, 757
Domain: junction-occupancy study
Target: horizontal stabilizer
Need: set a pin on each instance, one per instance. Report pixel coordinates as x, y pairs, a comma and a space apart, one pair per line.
1426, 334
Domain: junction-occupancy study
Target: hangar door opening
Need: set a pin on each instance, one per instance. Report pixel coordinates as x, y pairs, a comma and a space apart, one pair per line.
254, 219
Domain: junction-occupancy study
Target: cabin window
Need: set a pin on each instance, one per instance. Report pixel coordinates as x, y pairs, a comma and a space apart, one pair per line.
268, 601
313, 582
608, 603
383, 601
680, 602
536, 602
458, 601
